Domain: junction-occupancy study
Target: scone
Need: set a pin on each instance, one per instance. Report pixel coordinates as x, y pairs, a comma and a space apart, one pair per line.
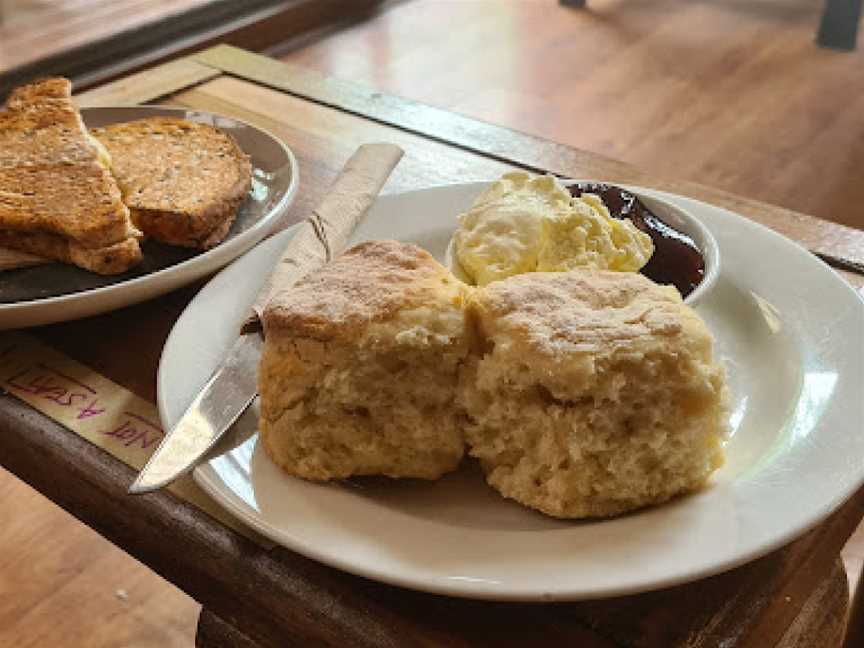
597, 393
361, 365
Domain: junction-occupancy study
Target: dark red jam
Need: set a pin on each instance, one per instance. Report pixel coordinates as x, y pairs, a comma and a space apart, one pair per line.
676, 259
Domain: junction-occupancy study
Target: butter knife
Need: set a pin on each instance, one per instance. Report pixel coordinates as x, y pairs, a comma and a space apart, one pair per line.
234, 384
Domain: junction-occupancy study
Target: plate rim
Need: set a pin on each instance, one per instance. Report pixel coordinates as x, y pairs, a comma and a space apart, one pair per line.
206, 477
194, 267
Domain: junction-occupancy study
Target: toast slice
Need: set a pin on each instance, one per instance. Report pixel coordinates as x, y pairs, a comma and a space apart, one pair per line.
183, 181
57, 196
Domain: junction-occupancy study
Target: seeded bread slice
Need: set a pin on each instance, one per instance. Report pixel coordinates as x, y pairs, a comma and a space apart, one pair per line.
57, 198
183, 181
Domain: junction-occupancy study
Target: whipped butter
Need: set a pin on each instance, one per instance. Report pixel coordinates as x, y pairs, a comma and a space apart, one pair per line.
524, 223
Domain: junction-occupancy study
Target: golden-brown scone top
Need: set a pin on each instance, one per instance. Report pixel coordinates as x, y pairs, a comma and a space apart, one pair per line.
583, 310
367, 284
51, 180
183, 180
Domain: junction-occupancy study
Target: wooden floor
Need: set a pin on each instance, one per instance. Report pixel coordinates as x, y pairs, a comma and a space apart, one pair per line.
731, 93
62, 585
33, 29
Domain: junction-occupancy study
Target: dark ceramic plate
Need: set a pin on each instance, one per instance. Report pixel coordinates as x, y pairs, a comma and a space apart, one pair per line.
56, 292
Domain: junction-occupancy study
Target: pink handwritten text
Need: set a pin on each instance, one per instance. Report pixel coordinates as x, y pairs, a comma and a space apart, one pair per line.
136, 430
51, 385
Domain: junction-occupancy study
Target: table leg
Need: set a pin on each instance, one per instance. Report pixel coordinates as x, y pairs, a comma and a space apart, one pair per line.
213, 632
821, 622
839, 26
855, 625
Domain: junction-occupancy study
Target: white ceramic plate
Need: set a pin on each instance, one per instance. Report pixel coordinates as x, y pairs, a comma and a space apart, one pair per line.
790, 330
57, 292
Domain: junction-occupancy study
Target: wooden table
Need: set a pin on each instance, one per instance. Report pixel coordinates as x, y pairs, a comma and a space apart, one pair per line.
251, 596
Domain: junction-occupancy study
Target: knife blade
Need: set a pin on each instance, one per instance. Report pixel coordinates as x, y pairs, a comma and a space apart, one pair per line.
234, 384
218, 405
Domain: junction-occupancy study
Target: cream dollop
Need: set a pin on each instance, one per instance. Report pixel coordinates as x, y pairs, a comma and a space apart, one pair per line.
524, 223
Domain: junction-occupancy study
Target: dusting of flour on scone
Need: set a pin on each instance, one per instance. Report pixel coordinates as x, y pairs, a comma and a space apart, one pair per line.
598, 392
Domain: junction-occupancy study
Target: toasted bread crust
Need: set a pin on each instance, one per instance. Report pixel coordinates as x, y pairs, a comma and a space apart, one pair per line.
164, 225
224, 223
53, 88
183, 181
51, 180
108, 260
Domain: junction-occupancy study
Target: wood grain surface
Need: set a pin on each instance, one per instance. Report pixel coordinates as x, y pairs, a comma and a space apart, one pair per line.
527, 151
821, 621
60, 582
733, 95
31, 29
98, 40
142, 86
279, 598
